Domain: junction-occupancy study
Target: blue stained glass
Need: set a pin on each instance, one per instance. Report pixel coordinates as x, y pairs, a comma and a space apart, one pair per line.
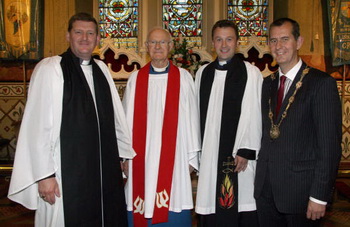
184, 18
118, 19
251, 16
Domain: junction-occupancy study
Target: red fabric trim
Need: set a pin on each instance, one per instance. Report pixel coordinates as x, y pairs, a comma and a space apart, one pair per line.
168, 148
139, 141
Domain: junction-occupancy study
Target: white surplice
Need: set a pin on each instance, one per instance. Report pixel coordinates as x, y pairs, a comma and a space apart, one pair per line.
187, 141
38, 148
248, 136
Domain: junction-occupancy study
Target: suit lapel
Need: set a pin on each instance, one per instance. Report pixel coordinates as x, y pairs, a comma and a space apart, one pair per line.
273, 93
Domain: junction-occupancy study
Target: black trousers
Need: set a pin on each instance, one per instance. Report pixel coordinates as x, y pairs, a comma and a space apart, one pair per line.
245, 219
269, 216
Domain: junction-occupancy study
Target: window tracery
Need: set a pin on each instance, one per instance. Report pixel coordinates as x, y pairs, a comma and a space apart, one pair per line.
183, 18
118, 20
251, 17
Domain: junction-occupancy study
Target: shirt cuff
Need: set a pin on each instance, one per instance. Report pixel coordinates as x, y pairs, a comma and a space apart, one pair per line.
247, 154
317, 201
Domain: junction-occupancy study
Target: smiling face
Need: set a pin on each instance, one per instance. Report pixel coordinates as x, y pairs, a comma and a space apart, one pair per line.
158, 46
225, 42
83, 39
284, 47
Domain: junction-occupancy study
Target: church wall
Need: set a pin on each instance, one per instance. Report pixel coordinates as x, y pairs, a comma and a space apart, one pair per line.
56, 16
85, 6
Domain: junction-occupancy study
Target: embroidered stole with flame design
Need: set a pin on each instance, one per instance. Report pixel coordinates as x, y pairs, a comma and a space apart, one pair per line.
234, 88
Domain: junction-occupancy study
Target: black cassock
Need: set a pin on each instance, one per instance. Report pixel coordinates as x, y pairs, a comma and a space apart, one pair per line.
92, 181
236, 79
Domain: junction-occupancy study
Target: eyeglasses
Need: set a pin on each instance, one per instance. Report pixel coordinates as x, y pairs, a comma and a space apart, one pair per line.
153, 43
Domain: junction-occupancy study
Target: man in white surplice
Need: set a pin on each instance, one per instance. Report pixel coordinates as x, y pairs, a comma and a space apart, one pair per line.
228, 92
160, 107
72, 136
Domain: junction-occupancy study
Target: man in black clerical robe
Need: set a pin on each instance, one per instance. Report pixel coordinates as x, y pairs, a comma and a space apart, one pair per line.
228, 91
72, 136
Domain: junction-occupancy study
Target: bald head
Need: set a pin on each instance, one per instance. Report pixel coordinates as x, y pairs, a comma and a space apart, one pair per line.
159, 30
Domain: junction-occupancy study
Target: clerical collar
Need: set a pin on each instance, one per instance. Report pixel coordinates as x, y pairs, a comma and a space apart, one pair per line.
155, 70
222, 65
85, 62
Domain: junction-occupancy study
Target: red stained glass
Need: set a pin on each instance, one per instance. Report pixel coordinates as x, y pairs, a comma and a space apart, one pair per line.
118, 19
251, 16
184, 18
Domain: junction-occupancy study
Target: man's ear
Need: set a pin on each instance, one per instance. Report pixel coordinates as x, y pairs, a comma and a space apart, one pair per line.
171, 46
98, 38
68, 36
300, 42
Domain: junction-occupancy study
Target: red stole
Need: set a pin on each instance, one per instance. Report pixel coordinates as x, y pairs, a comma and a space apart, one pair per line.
168, 147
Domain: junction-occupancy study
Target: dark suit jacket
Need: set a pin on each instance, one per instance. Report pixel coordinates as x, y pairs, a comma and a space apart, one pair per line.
303, 161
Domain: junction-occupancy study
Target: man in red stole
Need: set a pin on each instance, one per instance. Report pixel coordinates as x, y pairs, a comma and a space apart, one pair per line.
161, 110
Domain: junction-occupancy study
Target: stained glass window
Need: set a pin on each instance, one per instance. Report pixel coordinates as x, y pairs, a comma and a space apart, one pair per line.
184, 18
118, 19
251, 17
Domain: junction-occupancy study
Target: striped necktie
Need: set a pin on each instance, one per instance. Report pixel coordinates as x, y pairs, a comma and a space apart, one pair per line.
280, 94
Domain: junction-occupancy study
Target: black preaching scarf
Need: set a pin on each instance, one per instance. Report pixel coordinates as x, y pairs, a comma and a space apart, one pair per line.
227, 183
92, 182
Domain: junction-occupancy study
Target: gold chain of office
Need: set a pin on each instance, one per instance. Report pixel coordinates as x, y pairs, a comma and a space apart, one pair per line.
275, 128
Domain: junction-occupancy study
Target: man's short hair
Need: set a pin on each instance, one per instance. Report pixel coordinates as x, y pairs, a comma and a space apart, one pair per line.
282, 21
82, 17
224, 24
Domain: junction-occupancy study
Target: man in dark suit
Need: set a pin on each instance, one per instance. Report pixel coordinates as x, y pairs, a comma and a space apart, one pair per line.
300, 149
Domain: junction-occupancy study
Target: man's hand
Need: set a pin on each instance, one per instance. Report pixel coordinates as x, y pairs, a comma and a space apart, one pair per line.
125, 167
191, 168
315, 211
48, 189
240, 163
